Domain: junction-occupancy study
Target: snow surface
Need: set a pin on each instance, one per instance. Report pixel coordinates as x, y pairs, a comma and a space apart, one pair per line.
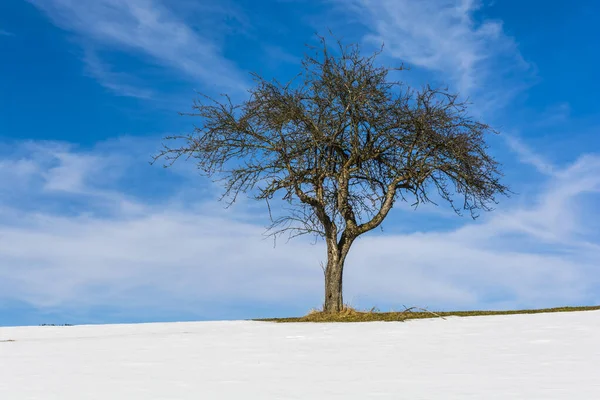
540, 356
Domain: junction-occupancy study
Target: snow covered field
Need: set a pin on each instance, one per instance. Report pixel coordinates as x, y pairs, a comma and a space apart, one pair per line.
540, 356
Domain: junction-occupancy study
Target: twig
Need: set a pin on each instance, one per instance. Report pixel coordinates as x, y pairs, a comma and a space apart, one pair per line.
406, 309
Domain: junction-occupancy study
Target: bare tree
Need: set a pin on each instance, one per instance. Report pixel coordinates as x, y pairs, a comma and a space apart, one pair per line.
341, 144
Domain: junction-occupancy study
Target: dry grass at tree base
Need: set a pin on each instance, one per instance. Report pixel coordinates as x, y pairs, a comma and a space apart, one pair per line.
349, 314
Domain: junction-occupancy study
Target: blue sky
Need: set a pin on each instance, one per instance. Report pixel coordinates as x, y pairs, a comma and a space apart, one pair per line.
91, 233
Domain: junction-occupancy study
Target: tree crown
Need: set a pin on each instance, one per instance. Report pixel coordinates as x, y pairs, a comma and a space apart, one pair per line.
341, 143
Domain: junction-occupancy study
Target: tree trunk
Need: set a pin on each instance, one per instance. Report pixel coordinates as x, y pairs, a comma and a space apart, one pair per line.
333, 287
336, 254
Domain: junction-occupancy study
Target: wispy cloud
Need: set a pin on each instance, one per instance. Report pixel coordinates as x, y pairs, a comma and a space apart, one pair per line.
147, 28
444, 36
278, 55
6, 33
474, 55
146, 254
528, 156
118, 82
556, 218
541, 252
129, 246
554, 115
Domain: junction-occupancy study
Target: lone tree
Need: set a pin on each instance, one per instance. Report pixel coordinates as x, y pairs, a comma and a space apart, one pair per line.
341, 143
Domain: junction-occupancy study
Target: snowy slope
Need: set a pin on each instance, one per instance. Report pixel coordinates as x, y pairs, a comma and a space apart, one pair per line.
540, 356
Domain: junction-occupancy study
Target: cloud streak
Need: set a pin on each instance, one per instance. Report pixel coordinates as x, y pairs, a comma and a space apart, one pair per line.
117, 82
145, 27
474, 57
527, 156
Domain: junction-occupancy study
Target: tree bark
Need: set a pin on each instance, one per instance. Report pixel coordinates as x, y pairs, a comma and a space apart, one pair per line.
334, 301
336, 255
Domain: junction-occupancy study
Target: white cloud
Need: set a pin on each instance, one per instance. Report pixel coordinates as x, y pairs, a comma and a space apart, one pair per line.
144, 254
17, 171
145, 27
527, 156
444, 37
554, 115
540, 253
556, 217
61, 167
187, 257
118, 82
